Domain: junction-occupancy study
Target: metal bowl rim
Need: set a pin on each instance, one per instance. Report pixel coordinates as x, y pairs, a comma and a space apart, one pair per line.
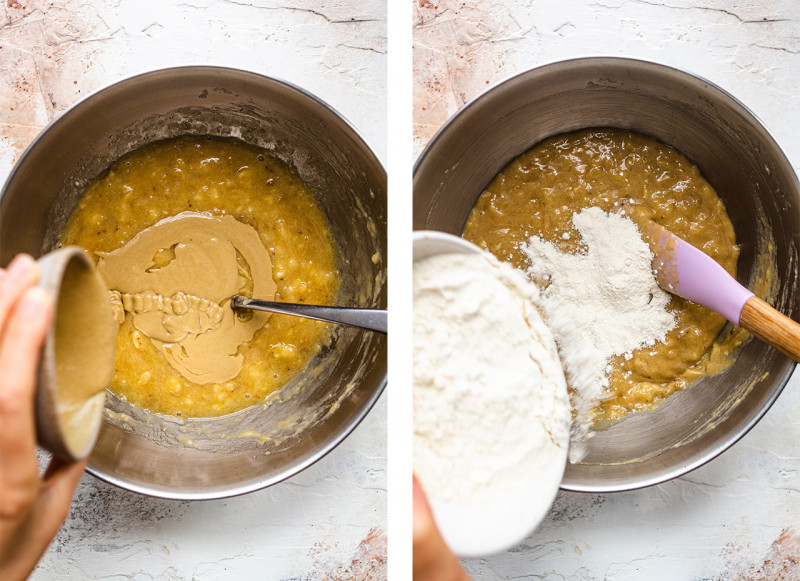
600, 60
87, 101
256, 484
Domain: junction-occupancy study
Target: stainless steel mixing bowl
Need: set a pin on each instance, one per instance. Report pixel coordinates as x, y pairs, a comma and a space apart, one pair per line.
737, 156
213, 458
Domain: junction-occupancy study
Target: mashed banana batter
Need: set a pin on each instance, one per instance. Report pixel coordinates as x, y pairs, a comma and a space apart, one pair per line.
539, 193
177, 228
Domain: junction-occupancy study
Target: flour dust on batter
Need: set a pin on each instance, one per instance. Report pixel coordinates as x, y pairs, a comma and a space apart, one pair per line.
179, 226
529, 209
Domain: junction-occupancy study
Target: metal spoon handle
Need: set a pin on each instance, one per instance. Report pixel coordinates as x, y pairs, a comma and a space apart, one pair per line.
369, 319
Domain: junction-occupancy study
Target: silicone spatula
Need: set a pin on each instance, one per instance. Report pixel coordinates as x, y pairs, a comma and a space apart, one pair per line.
686, 271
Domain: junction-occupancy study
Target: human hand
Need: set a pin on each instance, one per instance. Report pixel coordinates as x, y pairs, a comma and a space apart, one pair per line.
32, 507
432, 558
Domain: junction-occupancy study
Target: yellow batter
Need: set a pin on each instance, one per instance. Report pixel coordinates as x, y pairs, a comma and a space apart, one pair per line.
539, 192
178, 227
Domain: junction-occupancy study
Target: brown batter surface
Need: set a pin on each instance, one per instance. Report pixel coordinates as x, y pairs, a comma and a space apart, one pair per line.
539, 192
178, 227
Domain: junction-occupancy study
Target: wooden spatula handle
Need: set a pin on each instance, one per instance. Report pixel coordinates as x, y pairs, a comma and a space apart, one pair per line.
772, 327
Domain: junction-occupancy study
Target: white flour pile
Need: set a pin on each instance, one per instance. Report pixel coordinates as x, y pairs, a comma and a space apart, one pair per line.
599, 304
490, 399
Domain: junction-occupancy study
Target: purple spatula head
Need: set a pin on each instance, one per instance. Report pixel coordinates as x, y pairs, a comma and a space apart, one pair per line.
686, 271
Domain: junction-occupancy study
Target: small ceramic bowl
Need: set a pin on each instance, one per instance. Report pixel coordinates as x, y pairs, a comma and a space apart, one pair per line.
78, 358
478, 530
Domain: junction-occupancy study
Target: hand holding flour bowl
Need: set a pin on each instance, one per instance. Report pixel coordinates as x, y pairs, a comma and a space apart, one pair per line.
688, 155
491, 412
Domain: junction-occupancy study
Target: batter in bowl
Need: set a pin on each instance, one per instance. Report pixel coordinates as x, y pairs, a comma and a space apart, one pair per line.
540, 192
179, 226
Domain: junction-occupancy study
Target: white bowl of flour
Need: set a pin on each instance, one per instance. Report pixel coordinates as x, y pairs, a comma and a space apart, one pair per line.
491, 410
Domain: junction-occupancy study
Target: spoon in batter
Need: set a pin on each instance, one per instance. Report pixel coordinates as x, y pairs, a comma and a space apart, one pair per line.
369, 319
688, 272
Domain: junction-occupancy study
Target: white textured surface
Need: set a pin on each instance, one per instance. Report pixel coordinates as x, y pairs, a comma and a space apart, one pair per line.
323, 523
738, 516
723, 520
330, 520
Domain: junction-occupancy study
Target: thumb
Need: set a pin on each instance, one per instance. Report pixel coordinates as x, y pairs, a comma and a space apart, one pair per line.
433, 559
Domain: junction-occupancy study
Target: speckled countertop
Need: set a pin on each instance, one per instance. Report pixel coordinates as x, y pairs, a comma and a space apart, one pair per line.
738, 517
329, 521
